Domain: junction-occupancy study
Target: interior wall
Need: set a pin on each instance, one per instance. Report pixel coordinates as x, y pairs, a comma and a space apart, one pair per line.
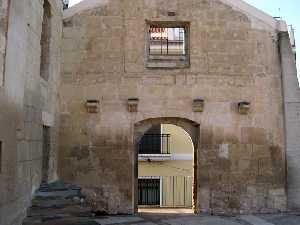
180, 141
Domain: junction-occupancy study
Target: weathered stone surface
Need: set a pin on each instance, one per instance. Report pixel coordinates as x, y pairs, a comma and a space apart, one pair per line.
27, 102
59, 203
239, 159
233, 58
292, 118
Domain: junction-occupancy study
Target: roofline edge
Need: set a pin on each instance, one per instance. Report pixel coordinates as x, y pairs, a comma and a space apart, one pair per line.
251, 10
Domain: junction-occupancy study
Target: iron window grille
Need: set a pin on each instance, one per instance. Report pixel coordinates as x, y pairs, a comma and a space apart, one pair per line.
167, 44
149, 192
155, 144
167, 41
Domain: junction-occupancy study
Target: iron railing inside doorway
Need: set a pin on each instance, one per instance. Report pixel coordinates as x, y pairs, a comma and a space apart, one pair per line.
155, 144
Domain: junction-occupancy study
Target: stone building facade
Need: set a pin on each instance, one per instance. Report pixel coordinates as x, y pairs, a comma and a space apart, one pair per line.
233, 56
28, 101
53, 67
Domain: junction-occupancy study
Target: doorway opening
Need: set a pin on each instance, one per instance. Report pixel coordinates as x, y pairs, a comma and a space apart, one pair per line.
45, 41
46, 154
166, 169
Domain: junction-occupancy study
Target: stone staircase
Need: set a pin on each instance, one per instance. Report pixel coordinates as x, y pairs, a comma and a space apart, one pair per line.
60, 204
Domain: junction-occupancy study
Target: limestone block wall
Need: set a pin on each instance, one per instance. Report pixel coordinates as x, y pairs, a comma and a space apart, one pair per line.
27, 103
291, 92
234, 57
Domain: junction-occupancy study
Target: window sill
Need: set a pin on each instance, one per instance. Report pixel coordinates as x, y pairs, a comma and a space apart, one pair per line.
168, 57
167, 61
167, 64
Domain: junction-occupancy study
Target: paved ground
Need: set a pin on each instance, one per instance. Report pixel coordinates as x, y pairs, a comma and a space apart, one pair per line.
190, 219
62, 204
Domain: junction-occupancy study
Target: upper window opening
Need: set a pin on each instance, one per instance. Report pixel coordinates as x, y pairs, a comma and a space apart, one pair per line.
168, 44
167, 41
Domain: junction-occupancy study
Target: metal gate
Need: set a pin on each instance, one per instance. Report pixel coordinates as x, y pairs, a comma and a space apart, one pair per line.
149, 192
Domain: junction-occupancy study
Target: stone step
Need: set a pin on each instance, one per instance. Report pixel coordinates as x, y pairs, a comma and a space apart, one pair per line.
61, 221
69, 193
54, 203
60, 204
71, 210
57, 186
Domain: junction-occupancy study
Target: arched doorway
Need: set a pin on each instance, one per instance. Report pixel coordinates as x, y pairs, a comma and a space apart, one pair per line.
190, 127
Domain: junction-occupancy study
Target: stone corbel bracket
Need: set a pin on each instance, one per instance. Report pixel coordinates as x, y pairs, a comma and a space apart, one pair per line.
133, 104
92, 106
198, 105
244, 107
